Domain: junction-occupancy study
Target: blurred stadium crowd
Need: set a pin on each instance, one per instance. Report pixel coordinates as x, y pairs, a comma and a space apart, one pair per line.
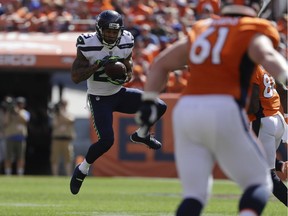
155, 24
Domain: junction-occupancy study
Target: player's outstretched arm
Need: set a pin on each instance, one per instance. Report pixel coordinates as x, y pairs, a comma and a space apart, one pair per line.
172, 58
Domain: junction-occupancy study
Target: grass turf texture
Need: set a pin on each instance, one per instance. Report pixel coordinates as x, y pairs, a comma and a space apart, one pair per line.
33, 195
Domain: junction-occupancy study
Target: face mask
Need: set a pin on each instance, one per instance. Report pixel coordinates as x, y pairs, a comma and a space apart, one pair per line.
273, 9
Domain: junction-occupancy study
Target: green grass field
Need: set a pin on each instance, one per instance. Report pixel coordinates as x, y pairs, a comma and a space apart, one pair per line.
117, 196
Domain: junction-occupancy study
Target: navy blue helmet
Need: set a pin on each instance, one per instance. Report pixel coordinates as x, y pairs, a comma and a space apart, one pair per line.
109, 19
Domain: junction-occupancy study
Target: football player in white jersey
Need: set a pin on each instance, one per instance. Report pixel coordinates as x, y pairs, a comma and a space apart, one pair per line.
109, 43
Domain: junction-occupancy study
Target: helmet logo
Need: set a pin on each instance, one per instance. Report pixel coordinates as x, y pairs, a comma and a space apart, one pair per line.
114, 26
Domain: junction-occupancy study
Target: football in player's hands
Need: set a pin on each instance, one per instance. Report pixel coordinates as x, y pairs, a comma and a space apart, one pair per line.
116, 70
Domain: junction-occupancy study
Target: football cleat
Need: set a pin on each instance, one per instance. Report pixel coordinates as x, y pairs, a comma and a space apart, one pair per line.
76, 180
149, 141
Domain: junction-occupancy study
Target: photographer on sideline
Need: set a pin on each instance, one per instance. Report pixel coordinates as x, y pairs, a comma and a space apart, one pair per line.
16, 119
63, 133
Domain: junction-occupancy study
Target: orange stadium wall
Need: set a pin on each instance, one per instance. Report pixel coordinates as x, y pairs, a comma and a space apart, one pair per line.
129, 159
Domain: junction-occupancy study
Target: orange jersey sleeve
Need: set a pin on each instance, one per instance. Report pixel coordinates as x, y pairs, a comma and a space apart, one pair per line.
218, 59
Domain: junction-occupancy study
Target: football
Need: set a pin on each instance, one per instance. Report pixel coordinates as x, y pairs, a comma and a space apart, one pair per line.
116, 70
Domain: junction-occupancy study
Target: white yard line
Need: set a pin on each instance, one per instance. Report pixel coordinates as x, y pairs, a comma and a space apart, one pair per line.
29, 205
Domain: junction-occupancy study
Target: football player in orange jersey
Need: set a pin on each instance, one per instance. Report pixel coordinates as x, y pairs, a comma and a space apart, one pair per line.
210, 123
268, 123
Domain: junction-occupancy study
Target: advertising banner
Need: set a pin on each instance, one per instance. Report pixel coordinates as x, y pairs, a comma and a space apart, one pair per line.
19, 51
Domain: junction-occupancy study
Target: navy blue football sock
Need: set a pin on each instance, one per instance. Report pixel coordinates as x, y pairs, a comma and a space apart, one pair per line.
254, 198
189, 207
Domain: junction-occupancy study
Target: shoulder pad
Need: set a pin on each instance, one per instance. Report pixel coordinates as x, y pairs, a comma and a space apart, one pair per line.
80, 40
128, 35
262, 26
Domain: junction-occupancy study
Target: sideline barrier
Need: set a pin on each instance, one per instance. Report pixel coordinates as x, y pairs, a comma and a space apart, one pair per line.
129, 159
